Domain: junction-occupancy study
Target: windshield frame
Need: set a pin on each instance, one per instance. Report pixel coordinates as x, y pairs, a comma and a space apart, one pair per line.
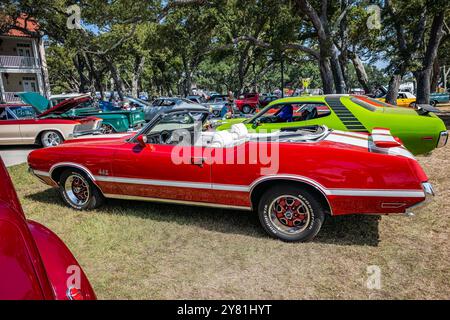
159, 116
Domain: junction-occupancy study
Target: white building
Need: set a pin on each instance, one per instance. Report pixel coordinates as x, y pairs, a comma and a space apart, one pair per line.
22, 61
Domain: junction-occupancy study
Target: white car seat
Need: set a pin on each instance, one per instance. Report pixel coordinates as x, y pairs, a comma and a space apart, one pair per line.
222, 139
239, 130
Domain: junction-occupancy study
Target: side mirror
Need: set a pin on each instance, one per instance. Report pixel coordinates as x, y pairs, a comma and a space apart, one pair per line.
142, 140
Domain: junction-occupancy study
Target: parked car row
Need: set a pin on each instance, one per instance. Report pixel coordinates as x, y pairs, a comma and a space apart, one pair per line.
329, 155
407, 99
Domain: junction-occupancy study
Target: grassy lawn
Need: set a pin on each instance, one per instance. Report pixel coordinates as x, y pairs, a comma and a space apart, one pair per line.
139, 250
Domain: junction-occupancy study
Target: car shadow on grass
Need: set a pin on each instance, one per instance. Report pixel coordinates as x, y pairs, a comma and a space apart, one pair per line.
359, 230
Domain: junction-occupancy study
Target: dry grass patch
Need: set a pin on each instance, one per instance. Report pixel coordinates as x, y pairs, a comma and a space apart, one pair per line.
137, 250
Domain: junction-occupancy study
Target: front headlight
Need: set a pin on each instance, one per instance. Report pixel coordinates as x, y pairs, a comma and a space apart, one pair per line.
442, 141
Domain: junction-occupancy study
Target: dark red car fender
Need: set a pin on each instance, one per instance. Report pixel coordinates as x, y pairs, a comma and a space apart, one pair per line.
60, 264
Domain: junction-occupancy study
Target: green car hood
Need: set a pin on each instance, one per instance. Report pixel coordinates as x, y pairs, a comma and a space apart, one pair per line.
226, 124
35, 99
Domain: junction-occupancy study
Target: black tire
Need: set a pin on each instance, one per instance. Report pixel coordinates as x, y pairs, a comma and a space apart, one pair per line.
434, 103
93, 198
106, 129
50, 138
246, 109
310, 209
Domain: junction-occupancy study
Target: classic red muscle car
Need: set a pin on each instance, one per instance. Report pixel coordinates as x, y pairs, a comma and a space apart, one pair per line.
310, 172
34, 263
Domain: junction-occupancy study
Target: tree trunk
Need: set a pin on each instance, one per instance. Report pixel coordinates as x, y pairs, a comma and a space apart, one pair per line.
435, 76
326, 75
339, 81
138, 68
80, 65
361, 74
394, 84
115, 76
423, 75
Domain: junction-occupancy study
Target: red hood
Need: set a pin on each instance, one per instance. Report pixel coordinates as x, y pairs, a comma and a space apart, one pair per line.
65, 106
100, 139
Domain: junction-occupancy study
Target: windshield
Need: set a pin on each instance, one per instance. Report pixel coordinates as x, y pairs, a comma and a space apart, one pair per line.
289, 112
176, 121
24, 112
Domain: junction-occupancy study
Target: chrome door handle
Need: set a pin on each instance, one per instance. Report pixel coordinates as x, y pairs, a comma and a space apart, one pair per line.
197, 161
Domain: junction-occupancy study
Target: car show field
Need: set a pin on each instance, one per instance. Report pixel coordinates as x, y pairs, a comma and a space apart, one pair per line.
140, 250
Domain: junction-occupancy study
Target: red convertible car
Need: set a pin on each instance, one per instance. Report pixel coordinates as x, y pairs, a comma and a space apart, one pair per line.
34, 263
311, 172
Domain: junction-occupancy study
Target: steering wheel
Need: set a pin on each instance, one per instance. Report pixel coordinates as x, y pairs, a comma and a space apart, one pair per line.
165, 136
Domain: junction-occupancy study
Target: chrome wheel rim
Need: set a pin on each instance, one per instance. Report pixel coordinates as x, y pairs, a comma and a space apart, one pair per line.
51, 139
289, 214
76, 189
106, 129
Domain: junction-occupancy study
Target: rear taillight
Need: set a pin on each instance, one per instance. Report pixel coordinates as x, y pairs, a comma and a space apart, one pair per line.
442, 141
74, 294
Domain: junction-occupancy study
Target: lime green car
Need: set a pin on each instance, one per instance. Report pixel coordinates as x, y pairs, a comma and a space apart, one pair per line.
420, 130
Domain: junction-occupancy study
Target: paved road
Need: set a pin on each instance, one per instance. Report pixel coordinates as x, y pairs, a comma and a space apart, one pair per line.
13, 155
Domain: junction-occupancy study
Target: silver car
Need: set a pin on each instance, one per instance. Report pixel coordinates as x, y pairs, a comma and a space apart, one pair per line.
164, 104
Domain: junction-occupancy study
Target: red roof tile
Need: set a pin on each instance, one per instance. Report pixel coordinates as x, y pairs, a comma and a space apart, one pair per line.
22, 22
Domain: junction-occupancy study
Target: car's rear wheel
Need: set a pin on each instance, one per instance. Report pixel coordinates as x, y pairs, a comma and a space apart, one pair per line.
78, 191
246, 109
51, 138
412, 105
433, 103
107, 129
291, 213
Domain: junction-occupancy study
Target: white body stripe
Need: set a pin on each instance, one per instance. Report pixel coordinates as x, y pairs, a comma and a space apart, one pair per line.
402, 193
347, 139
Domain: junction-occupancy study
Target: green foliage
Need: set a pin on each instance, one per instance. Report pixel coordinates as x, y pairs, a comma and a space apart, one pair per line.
217, 44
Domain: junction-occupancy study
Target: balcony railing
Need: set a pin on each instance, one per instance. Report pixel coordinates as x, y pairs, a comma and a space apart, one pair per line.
18, 62
11, 97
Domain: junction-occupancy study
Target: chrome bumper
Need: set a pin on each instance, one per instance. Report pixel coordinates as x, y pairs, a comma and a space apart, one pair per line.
429, 194
443, 138
84, 133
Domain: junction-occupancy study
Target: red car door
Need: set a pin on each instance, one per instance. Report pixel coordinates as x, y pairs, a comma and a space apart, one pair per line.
154, 172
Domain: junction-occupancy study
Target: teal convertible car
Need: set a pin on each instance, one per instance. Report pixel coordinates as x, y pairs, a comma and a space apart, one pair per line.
420, 130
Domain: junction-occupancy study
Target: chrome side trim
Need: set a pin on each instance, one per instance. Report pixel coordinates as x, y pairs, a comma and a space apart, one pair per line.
376, 193
40, 173
429, 194
191, 203
170, 183
308, 181
72, 164
75, 165
288, 177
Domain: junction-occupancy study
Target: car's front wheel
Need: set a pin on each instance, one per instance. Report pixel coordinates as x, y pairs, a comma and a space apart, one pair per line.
246, 109
106, 129
291, 213
78, 191
51, 139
